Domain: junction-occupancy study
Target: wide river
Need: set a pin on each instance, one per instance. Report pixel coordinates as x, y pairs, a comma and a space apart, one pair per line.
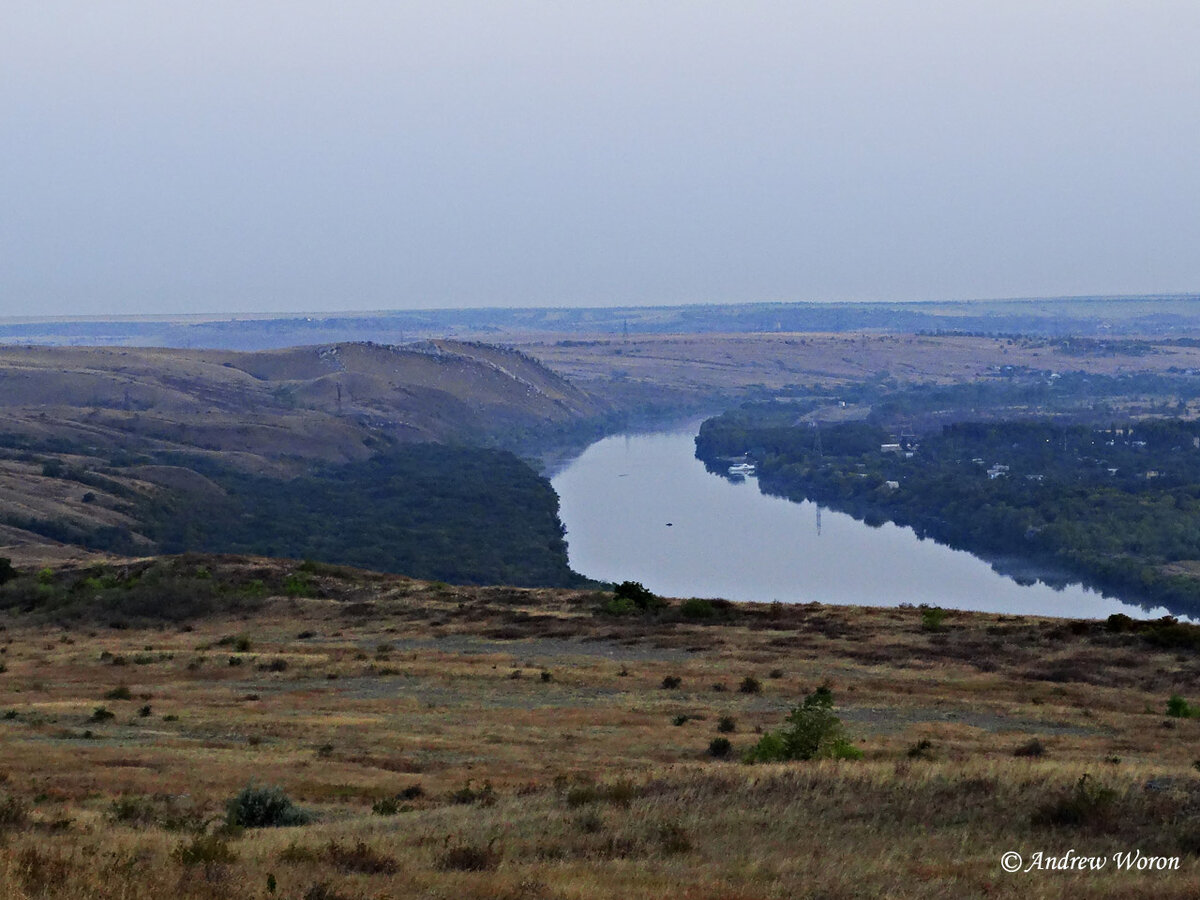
641, 507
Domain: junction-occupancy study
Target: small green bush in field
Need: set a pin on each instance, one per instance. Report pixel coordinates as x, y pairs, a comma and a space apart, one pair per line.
812, 731
1179, 708
264, 807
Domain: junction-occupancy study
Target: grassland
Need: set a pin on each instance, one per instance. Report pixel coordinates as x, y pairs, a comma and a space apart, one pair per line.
496, 742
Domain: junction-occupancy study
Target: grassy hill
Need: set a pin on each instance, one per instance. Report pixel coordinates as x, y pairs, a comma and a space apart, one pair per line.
340, 452
483, 742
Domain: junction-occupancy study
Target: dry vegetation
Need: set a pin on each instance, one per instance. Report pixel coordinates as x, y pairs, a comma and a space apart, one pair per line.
706, 363
492, 742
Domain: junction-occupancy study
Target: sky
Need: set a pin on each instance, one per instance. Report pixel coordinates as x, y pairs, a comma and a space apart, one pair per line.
172, 156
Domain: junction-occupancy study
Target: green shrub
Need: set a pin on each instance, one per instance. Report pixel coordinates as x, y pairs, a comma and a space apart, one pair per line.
811, 731
1179, 708
264, 807
933, 618
631, 597
726, 725
100, 714
120, 692
720, 748
697, 608
750, 685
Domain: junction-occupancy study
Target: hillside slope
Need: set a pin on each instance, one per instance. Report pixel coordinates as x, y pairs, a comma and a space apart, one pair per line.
90, 436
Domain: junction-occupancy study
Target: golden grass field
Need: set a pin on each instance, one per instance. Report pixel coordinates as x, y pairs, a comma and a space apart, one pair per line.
586, 781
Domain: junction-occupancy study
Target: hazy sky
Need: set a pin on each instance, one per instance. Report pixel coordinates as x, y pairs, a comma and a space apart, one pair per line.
176, 156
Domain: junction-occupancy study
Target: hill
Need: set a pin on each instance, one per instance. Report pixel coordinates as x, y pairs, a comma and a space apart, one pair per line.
135, 450
493, 742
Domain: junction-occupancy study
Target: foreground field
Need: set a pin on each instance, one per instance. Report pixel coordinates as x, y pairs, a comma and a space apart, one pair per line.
490, 742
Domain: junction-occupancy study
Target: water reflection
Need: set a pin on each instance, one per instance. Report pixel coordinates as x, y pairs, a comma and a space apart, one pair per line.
642, 507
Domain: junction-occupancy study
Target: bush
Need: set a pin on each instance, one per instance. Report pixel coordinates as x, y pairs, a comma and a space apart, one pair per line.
632, 596
1033, 748
121, 692
1179, 708
750, 685
671, 682
100, 714
922, 749
726, 725
933, 618
264, 807
720, 748
811, 731
697, 608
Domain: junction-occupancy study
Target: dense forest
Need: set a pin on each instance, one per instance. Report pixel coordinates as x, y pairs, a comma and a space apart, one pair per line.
458, 514
1116, 505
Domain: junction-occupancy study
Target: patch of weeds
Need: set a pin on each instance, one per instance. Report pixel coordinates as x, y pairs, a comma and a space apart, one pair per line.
467, 794
922, 749
41, 873
1031, 749
462, 857
673, 839
13, 812
750, 685
1087, 805
264, 807
618, 793
204, 850
360, 858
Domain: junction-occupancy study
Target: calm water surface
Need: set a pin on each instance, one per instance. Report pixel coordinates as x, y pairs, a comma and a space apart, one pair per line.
642, 507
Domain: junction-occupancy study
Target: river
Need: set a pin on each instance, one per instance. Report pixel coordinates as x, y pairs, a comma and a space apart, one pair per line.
641, 507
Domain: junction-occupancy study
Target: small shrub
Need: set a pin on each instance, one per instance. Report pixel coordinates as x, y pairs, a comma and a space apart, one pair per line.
275, 665
386, 806
726, 725
671, 682
546, 677
1179, 708
100, 714
681, 719
412, 792
750, 685
720, 748
933, 618
1031, 749
811, 731
144, 711
697, 608
264, 807
775, 673
922, 749
673, 839
121, 692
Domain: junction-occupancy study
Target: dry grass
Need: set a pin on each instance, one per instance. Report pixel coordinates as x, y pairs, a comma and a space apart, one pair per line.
582, 785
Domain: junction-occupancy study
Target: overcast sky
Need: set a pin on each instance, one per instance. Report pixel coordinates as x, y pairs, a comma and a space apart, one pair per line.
177, 156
